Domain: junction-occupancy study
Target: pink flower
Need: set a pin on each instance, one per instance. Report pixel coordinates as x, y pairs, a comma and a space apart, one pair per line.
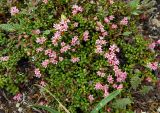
4, 58
85, 36
98, 49
76, 9
149, 79
37, 73
158, 41
62, 25
114, 85
60, 58
45, 63
106, 94
109, 110
53, 61
75, 59
91, 98
111, 1
114, 26
120, 86
42, 83
105, 33
40, 49
105, 88
17, 97
152, 45
36, 32
111, 17
48, 51
75, 41
63, 44
45, 1
124, 21
101, 74
110, 79
153, 65
14, 10
100, 42
98, 86
75, 24
106, 20
41, 40
65, 48
73, 50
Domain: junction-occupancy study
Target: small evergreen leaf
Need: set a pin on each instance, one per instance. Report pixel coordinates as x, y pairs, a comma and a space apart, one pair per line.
135, 82
9, 27
127, 33
146, 89
47, 32
121, 103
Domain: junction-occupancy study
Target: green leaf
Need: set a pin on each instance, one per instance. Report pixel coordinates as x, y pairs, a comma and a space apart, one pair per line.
135, 82
146, 89
45, 108
10, 27
63, 17
47, 32
121, 103
107, 99
134, 4
127, 33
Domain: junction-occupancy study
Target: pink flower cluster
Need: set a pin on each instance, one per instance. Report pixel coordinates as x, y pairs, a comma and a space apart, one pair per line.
18, 97
158, 41
65, 48
43, 83
153, 65
110, 79
99, 44
41, 40
51, 53
75, 41
152, 45
100, 73
104, 88
45, 1
40, 49
114, 26
4, 58
91, 98
121, 76
100, 28
60, 27
37, 73
45, 63
56, 38
124, 21
75, 59
108, 19
111, 56
14, 10
86, 36
76, 9
111, 1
